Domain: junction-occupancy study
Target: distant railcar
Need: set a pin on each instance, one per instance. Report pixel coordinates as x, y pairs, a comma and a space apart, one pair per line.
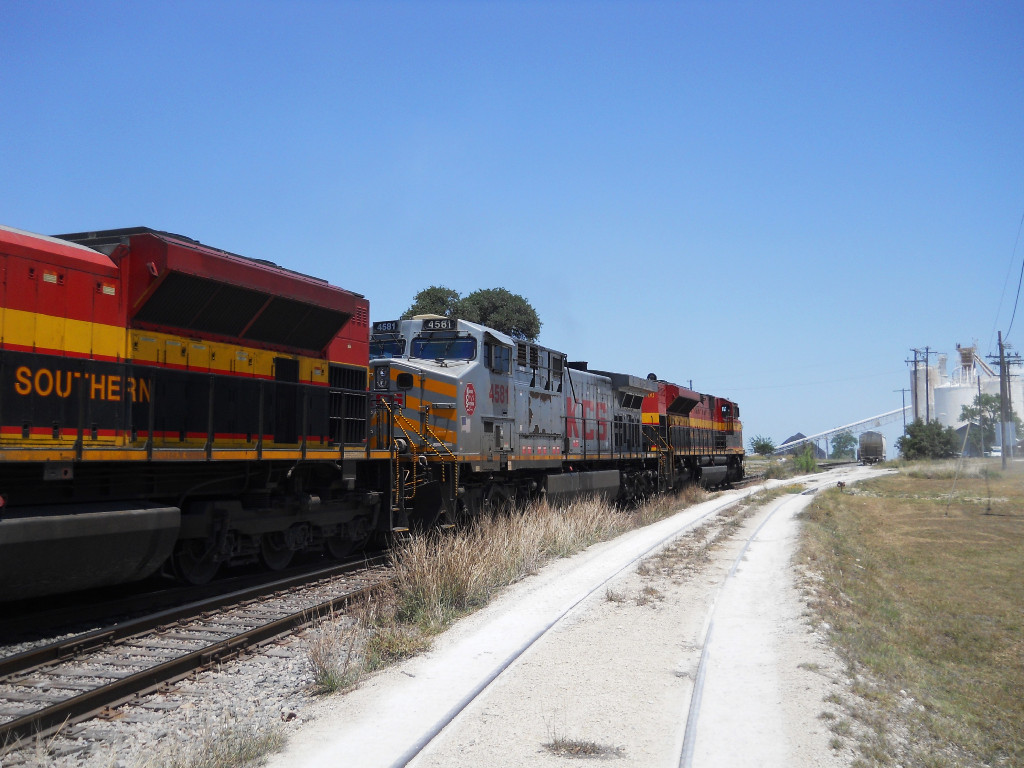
871, 448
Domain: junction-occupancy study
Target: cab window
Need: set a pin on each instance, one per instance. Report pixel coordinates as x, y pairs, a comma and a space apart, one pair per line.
380, 348
498, 357
434, 348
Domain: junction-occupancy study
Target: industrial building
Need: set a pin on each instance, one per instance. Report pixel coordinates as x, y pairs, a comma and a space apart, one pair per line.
938, 394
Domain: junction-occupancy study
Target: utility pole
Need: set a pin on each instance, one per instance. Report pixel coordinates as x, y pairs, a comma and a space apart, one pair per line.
1004, 362
927, 387
1004, 397
904, 393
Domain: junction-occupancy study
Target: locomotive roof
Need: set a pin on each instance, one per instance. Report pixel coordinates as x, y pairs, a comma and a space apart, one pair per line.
178, 283
53, 249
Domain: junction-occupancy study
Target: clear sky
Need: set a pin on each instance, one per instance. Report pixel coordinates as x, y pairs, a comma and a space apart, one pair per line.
776, 200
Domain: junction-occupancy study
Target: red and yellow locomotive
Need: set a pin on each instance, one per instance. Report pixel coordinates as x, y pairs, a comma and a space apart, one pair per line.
165, 401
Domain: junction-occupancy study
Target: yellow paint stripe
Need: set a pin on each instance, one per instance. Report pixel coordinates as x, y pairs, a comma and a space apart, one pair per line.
444, 388
219, 357
100, 453
77, 337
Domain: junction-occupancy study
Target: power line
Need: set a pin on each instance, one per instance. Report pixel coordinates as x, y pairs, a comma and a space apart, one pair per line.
1020, 279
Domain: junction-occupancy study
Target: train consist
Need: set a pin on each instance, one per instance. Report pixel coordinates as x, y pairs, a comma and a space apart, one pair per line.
169, 406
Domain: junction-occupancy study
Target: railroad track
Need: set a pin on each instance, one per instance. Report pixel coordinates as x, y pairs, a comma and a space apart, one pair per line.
48, 688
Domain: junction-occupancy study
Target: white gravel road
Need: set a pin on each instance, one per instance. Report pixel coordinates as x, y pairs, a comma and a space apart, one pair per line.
616, 672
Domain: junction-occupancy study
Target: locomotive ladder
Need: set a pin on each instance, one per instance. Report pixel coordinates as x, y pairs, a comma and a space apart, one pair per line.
404, 490
664, 451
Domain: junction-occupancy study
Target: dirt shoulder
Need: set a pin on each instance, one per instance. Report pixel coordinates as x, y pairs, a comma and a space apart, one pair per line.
615, 677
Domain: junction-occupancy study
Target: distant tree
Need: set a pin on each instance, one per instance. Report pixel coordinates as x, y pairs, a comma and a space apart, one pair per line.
844, 445
928, 440
804, 461
504, 311
762, 446
984, 414
496, 308
435, 300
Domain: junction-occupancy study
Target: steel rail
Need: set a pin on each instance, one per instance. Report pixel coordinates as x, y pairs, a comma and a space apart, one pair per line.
50, 719
18, 618
36, 657
696, 696
446, 718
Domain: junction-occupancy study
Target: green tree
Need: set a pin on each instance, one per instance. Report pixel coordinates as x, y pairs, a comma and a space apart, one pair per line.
844, 445
984, 414
435, 300
762, 446
496, 308
502, 310
928, 440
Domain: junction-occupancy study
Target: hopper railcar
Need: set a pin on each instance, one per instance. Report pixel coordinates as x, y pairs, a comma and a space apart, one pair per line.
871, 447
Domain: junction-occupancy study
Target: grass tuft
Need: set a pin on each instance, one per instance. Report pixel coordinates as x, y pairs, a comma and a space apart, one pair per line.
227, 744
579, 748
332, 650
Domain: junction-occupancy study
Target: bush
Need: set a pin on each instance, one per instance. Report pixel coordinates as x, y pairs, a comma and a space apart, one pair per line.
928, 440
805, 461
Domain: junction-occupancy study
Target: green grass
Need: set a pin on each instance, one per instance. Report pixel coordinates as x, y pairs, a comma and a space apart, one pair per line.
923, 590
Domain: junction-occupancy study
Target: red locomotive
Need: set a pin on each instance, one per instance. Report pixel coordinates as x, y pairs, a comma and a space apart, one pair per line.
163, 401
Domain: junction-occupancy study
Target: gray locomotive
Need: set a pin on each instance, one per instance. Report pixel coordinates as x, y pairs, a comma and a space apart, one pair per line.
477, 420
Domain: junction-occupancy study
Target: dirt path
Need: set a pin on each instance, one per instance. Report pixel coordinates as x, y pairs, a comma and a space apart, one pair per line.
616, 675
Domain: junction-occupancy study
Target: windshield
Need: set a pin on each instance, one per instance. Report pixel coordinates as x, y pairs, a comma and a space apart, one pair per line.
433, 348
386, 348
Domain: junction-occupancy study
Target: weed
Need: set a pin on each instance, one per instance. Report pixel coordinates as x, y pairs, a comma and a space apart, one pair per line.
649, 594
226, 744
580, 748
331, 649
841, 728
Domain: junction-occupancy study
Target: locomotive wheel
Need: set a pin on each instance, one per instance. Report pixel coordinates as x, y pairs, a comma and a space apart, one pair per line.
275, 553
352, 539
341, 546
194, 561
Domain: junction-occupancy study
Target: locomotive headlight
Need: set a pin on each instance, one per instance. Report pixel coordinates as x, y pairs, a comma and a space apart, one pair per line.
382, 376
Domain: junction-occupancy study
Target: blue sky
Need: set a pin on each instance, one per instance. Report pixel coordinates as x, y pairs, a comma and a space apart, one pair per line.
776, 201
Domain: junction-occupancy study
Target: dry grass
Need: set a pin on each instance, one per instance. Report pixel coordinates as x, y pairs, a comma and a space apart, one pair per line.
333, 649
443, 576
227, 744
921, 583
565, 747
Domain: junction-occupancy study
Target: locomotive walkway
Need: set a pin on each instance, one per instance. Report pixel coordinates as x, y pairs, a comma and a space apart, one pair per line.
571, 656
